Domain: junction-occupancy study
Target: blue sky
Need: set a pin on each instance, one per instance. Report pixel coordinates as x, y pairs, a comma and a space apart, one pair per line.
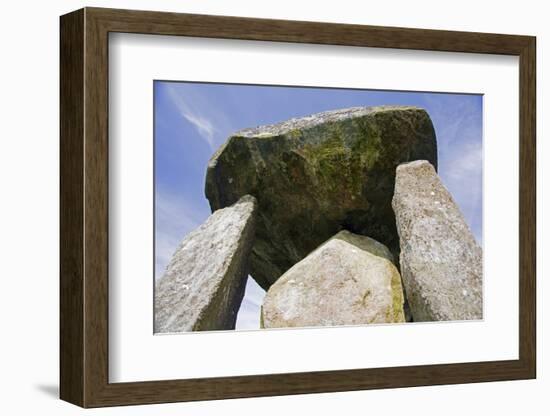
193, 119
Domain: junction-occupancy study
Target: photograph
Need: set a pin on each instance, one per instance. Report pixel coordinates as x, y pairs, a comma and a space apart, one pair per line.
297, 206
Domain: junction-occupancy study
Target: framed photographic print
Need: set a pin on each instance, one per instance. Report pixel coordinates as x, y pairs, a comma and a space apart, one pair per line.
255, 207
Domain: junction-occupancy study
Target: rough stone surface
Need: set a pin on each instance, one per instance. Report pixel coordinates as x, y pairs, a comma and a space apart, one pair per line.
441, 263
204, 283
349, 280
317, 175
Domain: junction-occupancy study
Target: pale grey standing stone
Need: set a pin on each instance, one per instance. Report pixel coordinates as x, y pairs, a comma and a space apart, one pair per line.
203, 285
441, 262
348, 280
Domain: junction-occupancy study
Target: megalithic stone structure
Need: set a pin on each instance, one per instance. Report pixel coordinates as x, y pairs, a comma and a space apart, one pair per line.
204, 283
316, 175
441, 262
349, 280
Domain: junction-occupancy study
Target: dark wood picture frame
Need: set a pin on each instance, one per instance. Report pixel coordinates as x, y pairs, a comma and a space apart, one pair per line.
84, 207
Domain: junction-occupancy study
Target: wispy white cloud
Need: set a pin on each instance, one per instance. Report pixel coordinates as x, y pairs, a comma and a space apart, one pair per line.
463, 177
466, 163
460, 148
204, 126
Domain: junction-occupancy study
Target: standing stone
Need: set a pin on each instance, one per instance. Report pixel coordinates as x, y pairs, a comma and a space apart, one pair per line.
204, 283
349, 280
316, 175
441, 263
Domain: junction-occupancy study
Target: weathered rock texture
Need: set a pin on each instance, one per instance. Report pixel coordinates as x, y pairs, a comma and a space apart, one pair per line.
349, 280
317, 175
204, 283
441, 263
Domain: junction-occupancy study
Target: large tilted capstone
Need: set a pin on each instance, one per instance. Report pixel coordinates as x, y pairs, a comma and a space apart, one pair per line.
316, 175
348, 280
203, 286
441, 263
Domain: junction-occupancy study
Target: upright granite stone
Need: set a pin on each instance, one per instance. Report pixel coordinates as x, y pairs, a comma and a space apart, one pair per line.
349, 280
316, 175
441, 263
204, 283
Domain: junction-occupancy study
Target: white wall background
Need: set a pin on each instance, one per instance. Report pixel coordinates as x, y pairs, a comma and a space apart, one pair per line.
29, 159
